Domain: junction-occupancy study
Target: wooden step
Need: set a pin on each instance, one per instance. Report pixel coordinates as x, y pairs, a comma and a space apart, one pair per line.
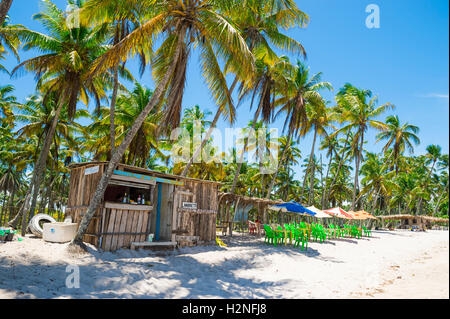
155, 245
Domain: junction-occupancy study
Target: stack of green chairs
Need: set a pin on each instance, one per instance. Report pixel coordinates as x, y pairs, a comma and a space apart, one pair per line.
271, 237
318, 233
322, 235
279, 235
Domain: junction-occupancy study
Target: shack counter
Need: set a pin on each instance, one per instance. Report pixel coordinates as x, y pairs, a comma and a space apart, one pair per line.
177, 210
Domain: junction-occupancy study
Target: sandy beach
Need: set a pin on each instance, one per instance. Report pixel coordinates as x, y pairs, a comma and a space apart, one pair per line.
390, 264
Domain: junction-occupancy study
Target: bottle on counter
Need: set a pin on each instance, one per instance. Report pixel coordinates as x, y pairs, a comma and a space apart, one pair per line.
139, 200
125, 198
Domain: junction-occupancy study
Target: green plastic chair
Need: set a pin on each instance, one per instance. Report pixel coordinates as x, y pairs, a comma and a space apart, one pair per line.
300, 238
270, 237
367, 232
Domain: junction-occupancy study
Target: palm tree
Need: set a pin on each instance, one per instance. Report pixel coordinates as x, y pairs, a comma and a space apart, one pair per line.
185, 25
319, 119
9, 39
129, 106
434, 153
359, 112
122, 21
300, 91
68, 54
443, 165
398, 138
331, 144
36, 117
7, 102
377, 180
259, 22
271, 76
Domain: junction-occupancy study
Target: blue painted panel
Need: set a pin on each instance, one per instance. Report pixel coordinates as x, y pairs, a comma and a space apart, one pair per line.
158, 212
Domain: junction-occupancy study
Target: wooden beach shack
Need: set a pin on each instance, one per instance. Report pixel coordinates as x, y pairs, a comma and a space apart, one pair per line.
407, 221
138, 202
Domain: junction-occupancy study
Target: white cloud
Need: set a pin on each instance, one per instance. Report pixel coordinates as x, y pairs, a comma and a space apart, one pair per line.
435, 95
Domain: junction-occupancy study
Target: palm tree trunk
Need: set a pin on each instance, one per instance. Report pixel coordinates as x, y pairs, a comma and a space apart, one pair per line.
324, 190
375, 200
42, 161
280, 161
341, 162
117, 156
439, 201
35, 182
3, 207
419, 205
313, 171
308, 168
358, 161
11, 201
112, 111
5, 5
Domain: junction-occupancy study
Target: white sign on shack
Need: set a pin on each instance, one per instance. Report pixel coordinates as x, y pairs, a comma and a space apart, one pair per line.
188, 205
91, 170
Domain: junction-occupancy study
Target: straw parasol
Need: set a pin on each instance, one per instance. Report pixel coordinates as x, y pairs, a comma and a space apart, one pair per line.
338, 212
319, 213
369, 215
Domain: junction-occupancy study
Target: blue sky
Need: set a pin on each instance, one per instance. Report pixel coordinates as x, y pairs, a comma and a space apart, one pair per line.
404, 62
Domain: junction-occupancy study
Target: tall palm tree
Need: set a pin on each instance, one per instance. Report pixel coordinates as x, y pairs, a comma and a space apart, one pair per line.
443, 165
398, 138
36, 117
331, 144
68, 52
271, 76
184, 25
358, 108
319, 121
259, 22
301, 90
434, 153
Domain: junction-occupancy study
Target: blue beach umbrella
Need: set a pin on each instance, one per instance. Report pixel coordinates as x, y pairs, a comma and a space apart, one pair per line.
292, 207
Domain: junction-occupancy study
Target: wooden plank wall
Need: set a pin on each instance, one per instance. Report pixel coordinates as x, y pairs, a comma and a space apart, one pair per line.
204, 194
200, 222
124, 221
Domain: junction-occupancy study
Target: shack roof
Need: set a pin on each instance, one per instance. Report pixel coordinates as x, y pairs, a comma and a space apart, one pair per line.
247, 199
423, 218
143, 171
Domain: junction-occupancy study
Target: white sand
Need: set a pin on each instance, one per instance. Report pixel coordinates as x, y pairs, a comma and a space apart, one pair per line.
396, 264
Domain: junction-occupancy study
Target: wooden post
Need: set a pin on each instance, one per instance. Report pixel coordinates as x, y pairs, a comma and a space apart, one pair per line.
231, 222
